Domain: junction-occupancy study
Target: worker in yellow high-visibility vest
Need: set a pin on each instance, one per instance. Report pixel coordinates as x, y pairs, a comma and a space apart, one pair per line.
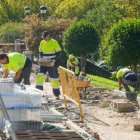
72, 64
50, 51
18, 63
127, 78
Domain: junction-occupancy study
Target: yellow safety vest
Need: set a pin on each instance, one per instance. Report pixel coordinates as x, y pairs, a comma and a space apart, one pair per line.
71, 62
16, 61
49, 48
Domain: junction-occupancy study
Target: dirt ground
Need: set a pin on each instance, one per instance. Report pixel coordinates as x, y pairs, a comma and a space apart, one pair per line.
99, 116
102, 118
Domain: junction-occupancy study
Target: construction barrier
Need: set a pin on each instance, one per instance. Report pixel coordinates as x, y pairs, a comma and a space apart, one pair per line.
69, 88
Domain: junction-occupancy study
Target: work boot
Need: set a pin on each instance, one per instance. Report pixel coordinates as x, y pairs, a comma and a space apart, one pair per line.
127, 94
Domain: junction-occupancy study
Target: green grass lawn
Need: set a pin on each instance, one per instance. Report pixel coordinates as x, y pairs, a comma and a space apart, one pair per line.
103, 82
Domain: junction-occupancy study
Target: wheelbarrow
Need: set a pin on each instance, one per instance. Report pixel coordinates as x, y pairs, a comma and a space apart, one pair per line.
82, 86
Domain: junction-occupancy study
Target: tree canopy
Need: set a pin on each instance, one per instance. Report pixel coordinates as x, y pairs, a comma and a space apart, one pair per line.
74, 8
122, 43
81, 38
102, 13
34, 26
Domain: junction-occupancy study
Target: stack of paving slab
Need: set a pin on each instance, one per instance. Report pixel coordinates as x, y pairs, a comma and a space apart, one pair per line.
23, 104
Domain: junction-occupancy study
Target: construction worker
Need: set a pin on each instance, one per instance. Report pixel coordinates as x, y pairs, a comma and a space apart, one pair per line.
18, 63
126, 78
50, 51
72, 64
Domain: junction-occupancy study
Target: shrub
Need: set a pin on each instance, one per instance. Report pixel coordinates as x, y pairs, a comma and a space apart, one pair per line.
10, 31
113, 76
81, 38
122, 43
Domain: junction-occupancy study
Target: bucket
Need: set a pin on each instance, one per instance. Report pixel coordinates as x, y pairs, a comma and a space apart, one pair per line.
132, 96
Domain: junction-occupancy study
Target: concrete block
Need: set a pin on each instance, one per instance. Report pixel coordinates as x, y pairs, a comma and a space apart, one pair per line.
125, 110
122, 105
137, 127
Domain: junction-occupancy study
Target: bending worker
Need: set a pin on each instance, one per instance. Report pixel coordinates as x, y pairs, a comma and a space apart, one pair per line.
50, 51
18, 63
72, 64
126, 78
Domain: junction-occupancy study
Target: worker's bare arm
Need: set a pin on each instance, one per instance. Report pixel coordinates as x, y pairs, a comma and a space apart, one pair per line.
5, 73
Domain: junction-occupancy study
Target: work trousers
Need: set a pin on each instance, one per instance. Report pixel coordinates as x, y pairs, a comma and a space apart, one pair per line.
54, 78
74, 69
130, 79
26, 72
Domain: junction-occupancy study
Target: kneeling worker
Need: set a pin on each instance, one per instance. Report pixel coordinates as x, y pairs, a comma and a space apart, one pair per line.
127, 77
18, 63
72, 64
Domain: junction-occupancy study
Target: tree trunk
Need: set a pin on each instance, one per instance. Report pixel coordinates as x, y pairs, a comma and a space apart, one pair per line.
83, 62
81, 58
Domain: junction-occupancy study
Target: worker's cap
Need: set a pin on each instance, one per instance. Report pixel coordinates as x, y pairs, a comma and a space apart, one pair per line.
71, 56
45, 34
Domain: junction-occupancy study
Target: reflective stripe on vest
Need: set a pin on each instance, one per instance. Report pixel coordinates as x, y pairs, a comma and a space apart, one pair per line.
48, 55
40, 79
